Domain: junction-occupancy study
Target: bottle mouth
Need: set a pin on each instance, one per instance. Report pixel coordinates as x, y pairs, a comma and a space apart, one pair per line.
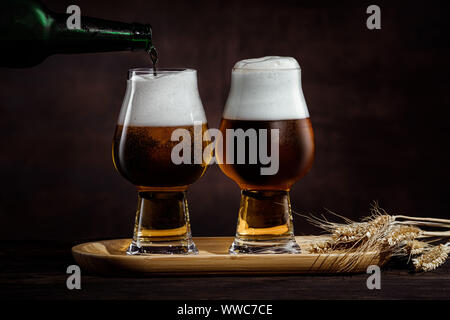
142, 33
142, 30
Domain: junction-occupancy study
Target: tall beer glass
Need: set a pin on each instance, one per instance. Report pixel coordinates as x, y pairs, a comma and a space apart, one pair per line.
158, 112
265, 113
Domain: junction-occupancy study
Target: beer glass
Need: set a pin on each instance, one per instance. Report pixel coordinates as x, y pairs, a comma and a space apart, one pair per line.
265, 113
159, 112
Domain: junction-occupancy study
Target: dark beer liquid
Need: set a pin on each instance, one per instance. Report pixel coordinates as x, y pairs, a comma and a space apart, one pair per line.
296, 154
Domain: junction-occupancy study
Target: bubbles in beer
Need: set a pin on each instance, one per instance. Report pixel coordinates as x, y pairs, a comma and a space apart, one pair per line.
143, 156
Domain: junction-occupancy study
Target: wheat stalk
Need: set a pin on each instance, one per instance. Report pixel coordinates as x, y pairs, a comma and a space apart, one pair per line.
390, 235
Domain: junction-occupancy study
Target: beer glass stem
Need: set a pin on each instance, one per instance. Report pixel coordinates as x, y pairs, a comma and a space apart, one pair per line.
162, 224
265, 224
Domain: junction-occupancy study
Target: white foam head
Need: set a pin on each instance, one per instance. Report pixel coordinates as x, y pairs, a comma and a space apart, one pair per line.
168, 99
267, 88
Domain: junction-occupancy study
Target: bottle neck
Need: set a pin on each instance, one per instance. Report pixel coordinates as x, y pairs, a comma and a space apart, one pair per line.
98, 35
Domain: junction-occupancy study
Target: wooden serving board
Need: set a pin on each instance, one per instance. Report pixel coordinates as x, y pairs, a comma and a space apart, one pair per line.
109, 257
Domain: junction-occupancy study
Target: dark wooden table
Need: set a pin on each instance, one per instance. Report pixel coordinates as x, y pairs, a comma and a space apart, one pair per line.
37, 270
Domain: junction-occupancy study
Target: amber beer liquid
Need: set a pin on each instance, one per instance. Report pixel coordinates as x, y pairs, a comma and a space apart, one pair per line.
296, 154
142, 155
266, 94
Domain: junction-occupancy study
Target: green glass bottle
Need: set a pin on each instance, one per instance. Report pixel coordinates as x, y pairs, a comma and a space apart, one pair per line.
29, 33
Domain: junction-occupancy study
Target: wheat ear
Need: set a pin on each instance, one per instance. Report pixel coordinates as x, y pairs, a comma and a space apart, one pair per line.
432, 258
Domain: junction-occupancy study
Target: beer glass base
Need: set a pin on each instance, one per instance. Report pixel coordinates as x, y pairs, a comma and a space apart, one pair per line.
265, 224
283, 246
162, 224
175, 247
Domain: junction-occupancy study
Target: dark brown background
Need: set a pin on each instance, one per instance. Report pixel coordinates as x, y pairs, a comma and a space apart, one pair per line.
378, 102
